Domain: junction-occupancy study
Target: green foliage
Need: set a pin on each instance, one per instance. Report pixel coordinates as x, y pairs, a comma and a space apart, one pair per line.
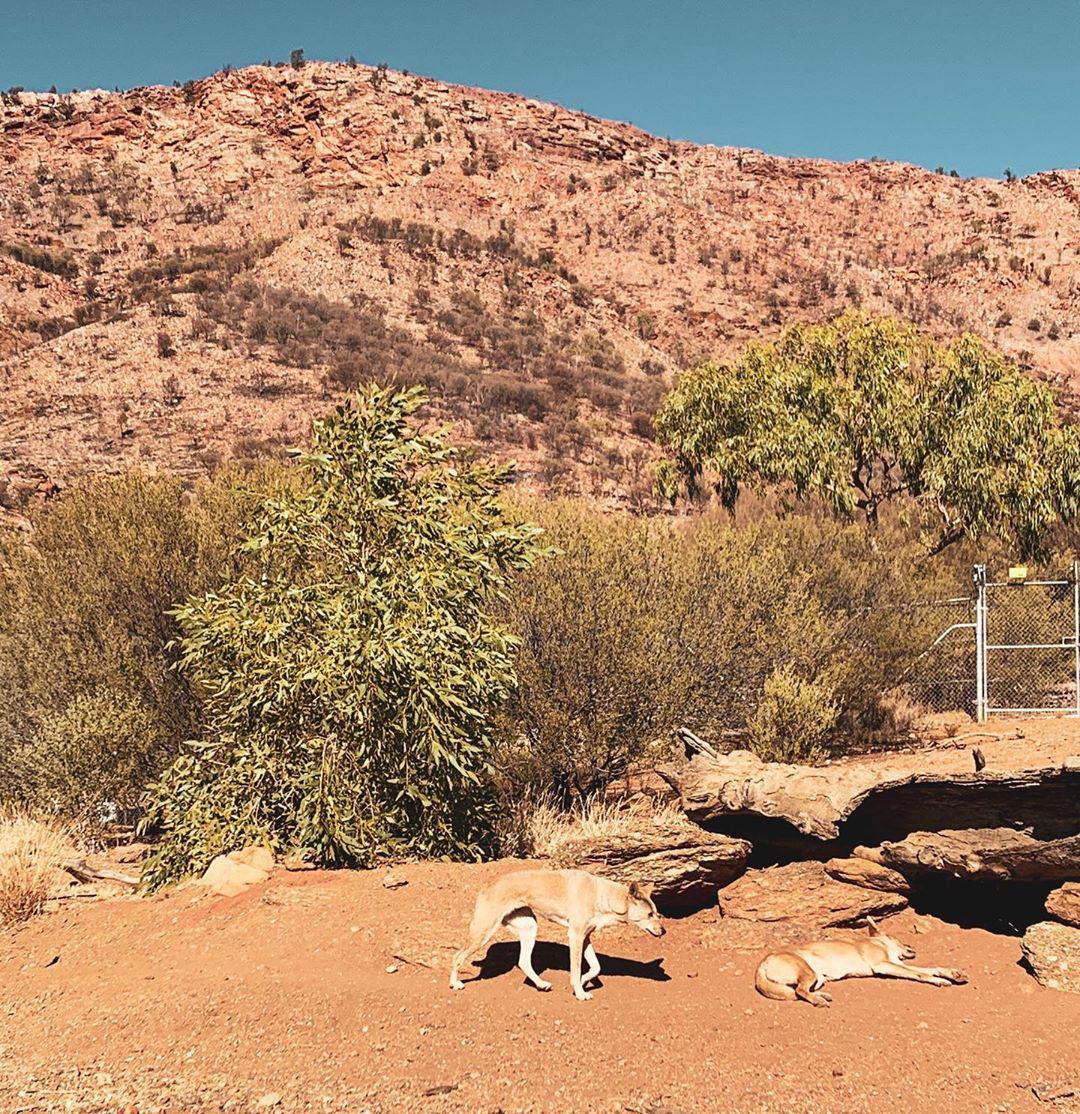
639, 626
348, 683
84, 631
793, 719
865, 411
97, 753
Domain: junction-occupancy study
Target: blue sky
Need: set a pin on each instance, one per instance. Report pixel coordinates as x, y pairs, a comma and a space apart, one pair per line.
978, 85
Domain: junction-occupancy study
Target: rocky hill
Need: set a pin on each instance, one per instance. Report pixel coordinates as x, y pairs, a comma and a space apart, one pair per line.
188, 275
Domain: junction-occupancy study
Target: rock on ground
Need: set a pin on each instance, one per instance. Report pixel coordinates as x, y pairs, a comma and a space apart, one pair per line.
231, 874
685, 864
1053, 952
803, 893
1064, 903
871, 875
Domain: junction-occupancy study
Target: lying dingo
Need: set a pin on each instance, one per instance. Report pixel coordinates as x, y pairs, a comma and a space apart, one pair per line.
580, 902
800, 972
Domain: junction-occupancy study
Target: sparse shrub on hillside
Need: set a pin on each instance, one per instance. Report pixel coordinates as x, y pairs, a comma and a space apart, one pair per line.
348, 683
41, 258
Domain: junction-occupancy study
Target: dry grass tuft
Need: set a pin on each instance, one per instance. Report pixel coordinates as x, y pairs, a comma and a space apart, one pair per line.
32, 850
550, 828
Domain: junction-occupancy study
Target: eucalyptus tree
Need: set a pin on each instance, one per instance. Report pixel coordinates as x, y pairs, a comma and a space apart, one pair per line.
348, 681
864, 411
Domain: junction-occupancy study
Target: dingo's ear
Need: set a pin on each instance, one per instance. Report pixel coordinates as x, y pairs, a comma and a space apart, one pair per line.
641, 890
873, 926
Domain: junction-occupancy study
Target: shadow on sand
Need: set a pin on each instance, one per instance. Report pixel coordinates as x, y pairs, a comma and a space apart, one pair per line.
503, 957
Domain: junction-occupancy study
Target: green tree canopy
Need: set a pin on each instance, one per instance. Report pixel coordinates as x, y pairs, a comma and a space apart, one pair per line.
864, 410
348, 684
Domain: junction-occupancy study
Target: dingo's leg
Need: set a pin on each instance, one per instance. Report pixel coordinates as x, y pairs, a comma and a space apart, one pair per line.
594, 964
804, 989
936, 976
480, 932
577, 944
524, 924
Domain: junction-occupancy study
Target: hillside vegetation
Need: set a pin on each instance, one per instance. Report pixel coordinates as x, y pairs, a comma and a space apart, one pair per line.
189, 275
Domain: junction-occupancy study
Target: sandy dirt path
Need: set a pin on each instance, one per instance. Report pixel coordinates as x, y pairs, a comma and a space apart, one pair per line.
285, 996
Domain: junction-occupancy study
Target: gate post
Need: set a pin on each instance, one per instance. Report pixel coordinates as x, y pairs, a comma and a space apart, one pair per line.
1076, 629
979, 577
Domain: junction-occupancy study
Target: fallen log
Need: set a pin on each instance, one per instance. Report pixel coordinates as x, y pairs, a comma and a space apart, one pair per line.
870, 798
82, 872
984, 854
685, 864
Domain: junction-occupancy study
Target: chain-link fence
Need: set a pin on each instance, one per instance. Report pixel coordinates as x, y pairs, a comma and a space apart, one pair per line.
942, 678
1012, 646
1031, 653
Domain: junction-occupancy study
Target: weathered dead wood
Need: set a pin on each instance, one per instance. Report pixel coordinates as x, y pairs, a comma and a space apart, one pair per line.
872, 799
985, 854
82, 872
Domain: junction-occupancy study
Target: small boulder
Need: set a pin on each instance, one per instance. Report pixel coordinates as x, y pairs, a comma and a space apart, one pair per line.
1064, 903
871, 875
1053, 952
803, 894
231, 874
261, 858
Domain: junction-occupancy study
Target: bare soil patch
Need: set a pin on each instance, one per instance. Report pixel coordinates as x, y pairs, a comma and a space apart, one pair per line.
327, 991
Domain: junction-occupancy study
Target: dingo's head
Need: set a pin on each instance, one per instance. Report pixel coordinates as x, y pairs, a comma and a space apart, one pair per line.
896, 950
641, 910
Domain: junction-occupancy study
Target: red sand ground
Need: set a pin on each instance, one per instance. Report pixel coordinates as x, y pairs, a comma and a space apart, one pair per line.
313, 992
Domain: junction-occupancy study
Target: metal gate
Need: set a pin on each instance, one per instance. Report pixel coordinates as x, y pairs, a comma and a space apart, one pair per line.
1027, 644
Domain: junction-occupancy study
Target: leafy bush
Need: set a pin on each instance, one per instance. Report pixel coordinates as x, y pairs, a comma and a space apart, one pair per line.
348, 683
639, 626
95, 756
84, 632
793, 719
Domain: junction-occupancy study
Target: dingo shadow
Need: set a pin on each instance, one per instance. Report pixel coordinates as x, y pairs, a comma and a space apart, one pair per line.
502, 958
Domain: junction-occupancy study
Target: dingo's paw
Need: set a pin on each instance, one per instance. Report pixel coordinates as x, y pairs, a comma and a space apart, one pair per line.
821, 1000
582, 995
456, 984
957, 976
542, 984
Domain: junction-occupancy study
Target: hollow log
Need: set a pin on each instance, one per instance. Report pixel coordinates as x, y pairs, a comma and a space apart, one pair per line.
870, 798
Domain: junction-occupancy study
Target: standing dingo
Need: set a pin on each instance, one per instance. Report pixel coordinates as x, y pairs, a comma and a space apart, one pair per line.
578, 901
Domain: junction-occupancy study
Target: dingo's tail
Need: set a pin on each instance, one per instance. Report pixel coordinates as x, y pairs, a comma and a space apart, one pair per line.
770, 989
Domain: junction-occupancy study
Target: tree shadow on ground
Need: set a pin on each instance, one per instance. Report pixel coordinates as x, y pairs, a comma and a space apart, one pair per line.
503, 957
